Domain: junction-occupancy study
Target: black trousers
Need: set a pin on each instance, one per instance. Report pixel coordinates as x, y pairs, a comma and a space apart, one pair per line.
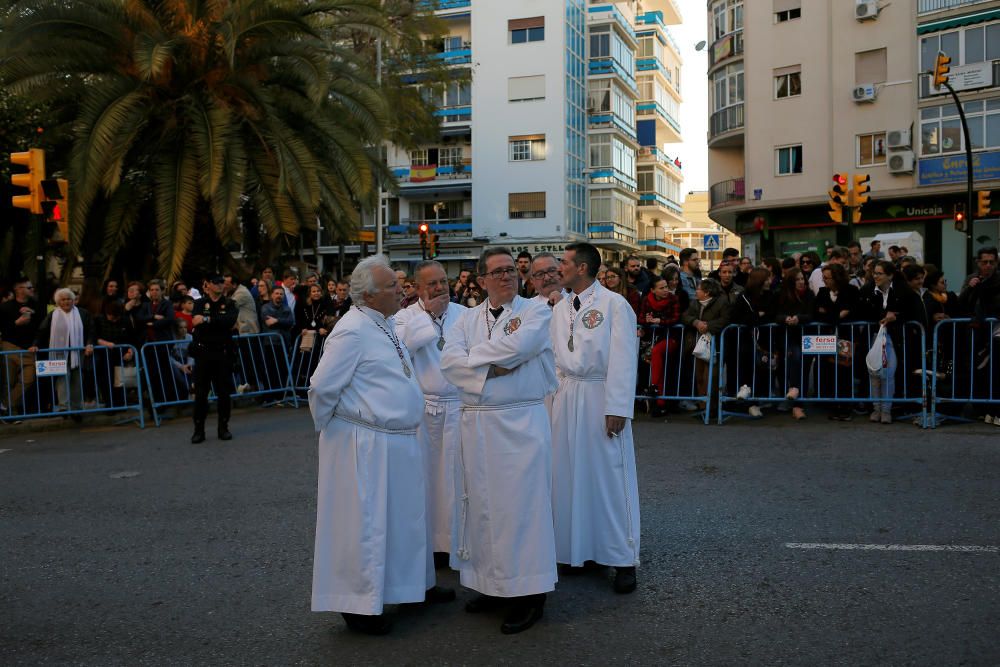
216, 372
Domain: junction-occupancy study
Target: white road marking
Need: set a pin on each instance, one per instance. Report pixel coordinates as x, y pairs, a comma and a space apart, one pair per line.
4, 450
894, 547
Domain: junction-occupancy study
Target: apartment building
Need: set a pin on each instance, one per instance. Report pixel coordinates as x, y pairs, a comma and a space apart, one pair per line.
558, 137
802, 89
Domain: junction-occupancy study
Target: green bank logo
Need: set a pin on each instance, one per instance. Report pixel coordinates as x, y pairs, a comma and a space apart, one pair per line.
896, 211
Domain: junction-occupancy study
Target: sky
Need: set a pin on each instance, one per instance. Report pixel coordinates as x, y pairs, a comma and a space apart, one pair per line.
694, 89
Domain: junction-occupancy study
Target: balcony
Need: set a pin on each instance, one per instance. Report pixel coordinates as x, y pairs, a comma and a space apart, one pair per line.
931, 6
669, 130
669, 10
728, 46
462, 56
648, 154
655, 19
727, 193
608, 65
612, 13
461, 113
603, 120
431, 173
613, 177
442, 5
724, 121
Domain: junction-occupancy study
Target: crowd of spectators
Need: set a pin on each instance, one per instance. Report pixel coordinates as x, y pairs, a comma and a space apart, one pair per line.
774, 298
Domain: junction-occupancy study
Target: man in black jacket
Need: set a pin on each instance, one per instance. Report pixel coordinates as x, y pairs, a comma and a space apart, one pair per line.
980, 298
214, 319
19, 321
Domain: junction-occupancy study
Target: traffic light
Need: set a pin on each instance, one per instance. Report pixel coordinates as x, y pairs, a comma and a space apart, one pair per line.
862, 186
34, 160
423, 234
983, 204
960, 224
941, 69
56, 206
432, 250
838, 198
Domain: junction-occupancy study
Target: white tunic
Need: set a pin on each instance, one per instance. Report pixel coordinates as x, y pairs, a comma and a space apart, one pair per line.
371, 537
595, 496
503, 541
439, 430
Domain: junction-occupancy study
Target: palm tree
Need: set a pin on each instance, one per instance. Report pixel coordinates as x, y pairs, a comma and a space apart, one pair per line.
187, 112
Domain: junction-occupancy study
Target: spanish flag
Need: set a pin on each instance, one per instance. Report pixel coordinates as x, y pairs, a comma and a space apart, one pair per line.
419, 174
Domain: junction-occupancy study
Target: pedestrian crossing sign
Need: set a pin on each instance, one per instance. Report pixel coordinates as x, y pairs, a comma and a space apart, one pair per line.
711, 242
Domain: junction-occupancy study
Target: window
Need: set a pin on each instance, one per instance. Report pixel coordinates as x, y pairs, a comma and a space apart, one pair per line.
727, 17
870, 67
458, 94
787, 82
941, 129
871, 149
522, 205
526, 88
727, 86
603, 96
787, 15
419, 157
606, 44
964, 46
526, 30
789, 160
450, 156
527, 147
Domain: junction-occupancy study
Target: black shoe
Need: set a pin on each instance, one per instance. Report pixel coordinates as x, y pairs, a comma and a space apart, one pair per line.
198, 437
624, 580
224, 434
368, 625
439, 594
483, 603
441, 560
526, 612
576, 570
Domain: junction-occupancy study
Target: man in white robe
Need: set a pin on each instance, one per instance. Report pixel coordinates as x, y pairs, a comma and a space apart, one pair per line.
500, 358
595, 496
371, 535
424, 328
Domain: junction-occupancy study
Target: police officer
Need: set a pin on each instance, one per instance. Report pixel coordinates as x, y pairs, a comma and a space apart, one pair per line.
214, 319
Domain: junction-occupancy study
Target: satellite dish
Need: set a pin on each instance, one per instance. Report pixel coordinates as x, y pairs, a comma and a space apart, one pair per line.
700, 45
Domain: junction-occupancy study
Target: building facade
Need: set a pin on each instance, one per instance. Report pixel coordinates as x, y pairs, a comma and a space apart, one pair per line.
558, 137
799, 91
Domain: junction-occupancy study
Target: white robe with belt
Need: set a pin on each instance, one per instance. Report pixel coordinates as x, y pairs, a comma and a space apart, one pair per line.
439, 430
503, 543
595, 497
371, 536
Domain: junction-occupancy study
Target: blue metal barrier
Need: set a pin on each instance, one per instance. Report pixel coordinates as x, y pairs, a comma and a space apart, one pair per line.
303, 364
770, 361
672, 347
260, 368
70, 381
964, 367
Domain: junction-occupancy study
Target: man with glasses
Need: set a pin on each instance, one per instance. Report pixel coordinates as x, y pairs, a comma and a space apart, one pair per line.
20, 319
545, 278
500, 358
425, 327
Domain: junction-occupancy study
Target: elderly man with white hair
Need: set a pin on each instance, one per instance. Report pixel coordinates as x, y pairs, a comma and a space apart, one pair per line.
67, 327
371, 524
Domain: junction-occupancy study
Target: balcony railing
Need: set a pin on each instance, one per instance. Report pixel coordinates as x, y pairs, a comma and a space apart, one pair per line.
656, 200
431, 172
426, 5
728, 193
724, 120
462, 56
931, 6
649, 152
448, 227
727, 47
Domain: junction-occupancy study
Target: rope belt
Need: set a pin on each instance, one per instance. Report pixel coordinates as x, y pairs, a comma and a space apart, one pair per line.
507, 406
431, 398
585, 378
374, 427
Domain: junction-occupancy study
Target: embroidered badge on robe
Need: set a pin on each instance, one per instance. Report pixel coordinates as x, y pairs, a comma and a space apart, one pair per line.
593, 319
513, 325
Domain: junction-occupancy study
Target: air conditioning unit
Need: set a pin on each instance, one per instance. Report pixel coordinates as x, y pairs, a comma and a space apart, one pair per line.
866, 9
865, 93
898, 139
901, 162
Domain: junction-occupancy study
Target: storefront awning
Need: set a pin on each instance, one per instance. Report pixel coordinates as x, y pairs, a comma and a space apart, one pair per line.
958, 21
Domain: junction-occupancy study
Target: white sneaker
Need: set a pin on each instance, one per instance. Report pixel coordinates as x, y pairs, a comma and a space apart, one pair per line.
687, 406
242, 388
989, 420
744, 393
756, 412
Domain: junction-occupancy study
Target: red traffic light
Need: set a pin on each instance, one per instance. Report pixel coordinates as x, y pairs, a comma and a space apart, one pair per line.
840, 179
423, 228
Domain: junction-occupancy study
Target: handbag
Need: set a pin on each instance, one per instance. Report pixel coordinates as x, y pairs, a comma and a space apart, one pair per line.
877, 358
845, 352
307, 340
126, 377
703, 348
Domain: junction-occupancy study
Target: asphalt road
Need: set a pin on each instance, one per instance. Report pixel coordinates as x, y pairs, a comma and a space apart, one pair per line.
120, 546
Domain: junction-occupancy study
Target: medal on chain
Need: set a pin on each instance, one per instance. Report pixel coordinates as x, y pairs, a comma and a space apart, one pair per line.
395, 342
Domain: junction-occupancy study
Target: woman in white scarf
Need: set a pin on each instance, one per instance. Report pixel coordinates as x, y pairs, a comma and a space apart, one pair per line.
67, 327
